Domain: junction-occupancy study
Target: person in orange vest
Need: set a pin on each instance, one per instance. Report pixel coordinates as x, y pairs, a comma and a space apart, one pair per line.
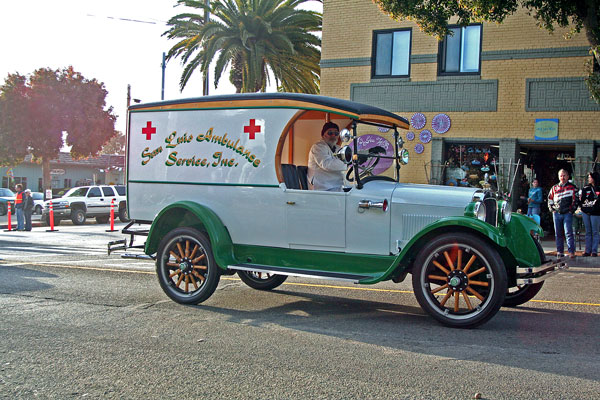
19, 208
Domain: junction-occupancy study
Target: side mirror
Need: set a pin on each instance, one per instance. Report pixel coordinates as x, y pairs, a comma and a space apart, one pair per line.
345, 135
403, 157
345, 154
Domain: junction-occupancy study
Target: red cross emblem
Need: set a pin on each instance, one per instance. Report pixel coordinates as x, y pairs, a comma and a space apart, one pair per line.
148, 130
252, 129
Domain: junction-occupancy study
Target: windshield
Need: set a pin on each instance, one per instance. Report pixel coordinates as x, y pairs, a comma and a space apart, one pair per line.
77, 192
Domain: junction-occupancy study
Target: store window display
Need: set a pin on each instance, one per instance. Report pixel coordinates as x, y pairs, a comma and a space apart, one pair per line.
472, 166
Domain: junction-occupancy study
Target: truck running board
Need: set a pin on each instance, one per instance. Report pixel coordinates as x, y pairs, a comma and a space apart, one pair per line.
298, 272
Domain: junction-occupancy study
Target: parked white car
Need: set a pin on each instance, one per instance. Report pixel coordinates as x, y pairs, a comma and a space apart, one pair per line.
38, 202
80, 203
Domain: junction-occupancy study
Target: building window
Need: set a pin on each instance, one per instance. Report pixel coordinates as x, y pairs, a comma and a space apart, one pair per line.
67, 183
391, 53
460, 53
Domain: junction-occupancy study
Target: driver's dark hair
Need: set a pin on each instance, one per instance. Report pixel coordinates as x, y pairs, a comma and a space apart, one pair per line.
328, 126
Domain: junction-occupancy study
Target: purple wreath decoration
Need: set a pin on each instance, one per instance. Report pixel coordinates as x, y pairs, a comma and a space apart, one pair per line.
425, 136
419, 148
382, 129
441, 123
418, 120
410, 136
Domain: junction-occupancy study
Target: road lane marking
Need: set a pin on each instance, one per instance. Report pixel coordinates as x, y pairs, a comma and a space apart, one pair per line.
315, 285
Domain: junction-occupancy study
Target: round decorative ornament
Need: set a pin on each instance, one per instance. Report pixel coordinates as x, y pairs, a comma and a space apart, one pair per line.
419, 148
425, 136
410, 136
441, 123
418, 120
382, 129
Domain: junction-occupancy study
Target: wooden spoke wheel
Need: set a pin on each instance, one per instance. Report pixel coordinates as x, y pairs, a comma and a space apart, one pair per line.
185, 266
261, 280
459, 280
520, 294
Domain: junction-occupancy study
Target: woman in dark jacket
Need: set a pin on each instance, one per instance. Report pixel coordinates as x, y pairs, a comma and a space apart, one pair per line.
590, 207
27, 208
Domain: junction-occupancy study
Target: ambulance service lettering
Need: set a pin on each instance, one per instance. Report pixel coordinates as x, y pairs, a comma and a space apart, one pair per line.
217, 159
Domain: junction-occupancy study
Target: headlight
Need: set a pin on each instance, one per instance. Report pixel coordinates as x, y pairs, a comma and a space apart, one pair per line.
506, 212
480, 211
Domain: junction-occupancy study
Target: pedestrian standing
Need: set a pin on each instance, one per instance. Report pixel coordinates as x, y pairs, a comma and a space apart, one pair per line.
534, 199
19, 207
590, 212
27, 208
562, 202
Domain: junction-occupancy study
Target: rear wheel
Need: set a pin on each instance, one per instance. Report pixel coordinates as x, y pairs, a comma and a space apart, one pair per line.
261, 280
520, 294
123, 215
185, 266
459, 280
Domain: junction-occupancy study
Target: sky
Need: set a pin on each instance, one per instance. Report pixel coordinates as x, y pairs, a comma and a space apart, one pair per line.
117, 42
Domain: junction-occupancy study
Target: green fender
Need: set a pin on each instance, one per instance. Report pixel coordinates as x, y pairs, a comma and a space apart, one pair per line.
513, 241
189, 214
448, 224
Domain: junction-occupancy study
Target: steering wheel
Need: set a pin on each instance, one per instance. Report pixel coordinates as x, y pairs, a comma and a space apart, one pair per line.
365, 170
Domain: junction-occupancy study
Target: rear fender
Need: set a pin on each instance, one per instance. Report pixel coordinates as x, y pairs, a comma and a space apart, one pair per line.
189, 214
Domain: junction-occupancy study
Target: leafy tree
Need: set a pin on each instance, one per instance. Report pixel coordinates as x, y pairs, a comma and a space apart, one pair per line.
432, 16
253, 36
116, 145
36, 110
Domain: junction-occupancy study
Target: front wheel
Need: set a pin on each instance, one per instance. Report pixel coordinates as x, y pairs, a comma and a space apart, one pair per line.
3, 209
521, 294
261, 280
186, 268
459, 280
78, 217
38, 209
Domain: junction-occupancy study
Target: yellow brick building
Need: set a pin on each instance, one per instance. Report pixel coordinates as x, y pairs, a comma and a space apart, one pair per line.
492, 82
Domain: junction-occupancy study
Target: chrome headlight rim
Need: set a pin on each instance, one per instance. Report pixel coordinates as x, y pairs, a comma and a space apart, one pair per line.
480, 211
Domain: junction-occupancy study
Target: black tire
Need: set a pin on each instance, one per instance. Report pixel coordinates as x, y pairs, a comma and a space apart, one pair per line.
3, 209
78, 216
123, 216
102, 219
462, 266
261, 280
185, 257
38, 209
521, 294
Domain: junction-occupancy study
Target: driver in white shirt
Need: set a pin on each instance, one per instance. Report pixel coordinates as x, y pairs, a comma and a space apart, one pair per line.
325, 170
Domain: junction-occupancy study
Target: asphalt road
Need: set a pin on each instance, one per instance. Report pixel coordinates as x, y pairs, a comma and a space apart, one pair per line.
76, 323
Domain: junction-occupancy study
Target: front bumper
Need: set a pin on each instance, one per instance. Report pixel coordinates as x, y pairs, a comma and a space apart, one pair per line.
531, 275
58, 213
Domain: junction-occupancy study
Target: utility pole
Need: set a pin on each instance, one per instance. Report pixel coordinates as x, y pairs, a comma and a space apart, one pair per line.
206, 18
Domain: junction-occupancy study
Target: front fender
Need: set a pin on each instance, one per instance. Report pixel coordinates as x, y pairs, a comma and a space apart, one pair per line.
190, 214
444, 225
521, 243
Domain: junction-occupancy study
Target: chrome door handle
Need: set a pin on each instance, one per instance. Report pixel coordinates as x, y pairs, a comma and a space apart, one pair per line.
291, 203
367, 204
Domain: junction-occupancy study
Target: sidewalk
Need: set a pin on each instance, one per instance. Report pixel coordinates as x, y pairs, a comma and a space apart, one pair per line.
549, 247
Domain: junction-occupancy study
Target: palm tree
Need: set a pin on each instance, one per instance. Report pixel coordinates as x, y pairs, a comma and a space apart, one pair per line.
253, 37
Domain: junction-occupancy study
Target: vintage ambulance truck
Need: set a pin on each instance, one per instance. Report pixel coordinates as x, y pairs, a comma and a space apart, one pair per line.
221, 181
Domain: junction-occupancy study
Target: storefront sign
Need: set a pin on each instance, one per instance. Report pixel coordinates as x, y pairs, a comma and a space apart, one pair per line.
57, 171
546, 129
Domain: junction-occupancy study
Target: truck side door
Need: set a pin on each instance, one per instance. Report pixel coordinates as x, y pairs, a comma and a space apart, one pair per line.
316, 220
109, 195
95, 201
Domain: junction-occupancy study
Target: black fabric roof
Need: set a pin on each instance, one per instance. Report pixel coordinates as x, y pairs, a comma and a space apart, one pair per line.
347, 105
